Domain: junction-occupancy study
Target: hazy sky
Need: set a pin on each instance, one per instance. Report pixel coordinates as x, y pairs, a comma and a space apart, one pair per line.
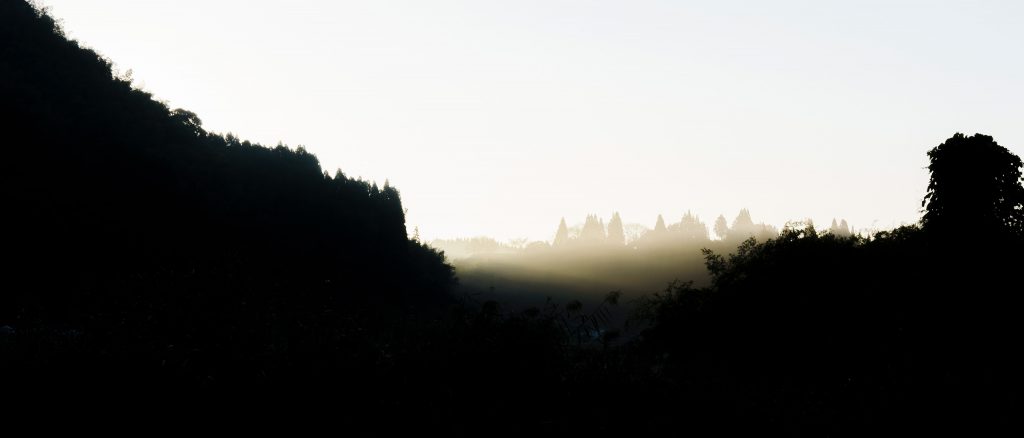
500, 117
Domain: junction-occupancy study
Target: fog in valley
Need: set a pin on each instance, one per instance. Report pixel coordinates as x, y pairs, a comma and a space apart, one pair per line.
587, 260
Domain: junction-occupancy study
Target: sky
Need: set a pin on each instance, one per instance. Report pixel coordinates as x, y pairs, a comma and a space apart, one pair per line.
499, 118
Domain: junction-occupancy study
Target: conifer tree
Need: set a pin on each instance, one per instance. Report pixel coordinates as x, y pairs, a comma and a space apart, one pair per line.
691, 228
562, 235
659, 227
616, 234
743, 226
593, 230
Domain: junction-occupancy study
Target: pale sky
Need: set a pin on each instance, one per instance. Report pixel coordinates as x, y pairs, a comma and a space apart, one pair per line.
500, 117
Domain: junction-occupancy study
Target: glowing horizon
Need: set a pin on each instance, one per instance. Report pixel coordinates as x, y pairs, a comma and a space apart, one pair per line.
499, 119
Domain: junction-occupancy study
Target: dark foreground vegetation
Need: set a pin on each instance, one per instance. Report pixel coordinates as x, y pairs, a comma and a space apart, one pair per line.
146, 255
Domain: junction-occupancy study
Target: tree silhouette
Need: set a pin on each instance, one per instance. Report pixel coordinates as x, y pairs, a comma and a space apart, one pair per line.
743, 226
593, 230
975, 185
841, 229
692, 229
721, 227
659, 226
562, 235
616, 234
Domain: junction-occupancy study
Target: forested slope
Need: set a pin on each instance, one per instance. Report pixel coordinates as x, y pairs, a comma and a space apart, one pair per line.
129, 225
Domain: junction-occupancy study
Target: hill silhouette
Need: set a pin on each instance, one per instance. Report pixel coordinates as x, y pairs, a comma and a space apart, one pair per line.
130, 226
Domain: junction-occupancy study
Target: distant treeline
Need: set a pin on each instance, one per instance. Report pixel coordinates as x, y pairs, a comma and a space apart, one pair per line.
594, 232
597, 257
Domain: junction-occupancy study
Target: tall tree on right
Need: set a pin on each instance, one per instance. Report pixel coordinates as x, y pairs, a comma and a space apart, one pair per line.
975, 186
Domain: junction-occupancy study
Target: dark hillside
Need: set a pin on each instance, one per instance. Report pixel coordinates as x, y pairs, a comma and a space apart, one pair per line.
128, 224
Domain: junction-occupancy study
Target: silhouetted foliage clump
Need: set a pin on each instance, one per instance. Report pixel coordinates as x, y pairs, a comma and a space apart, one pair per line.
975, 185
